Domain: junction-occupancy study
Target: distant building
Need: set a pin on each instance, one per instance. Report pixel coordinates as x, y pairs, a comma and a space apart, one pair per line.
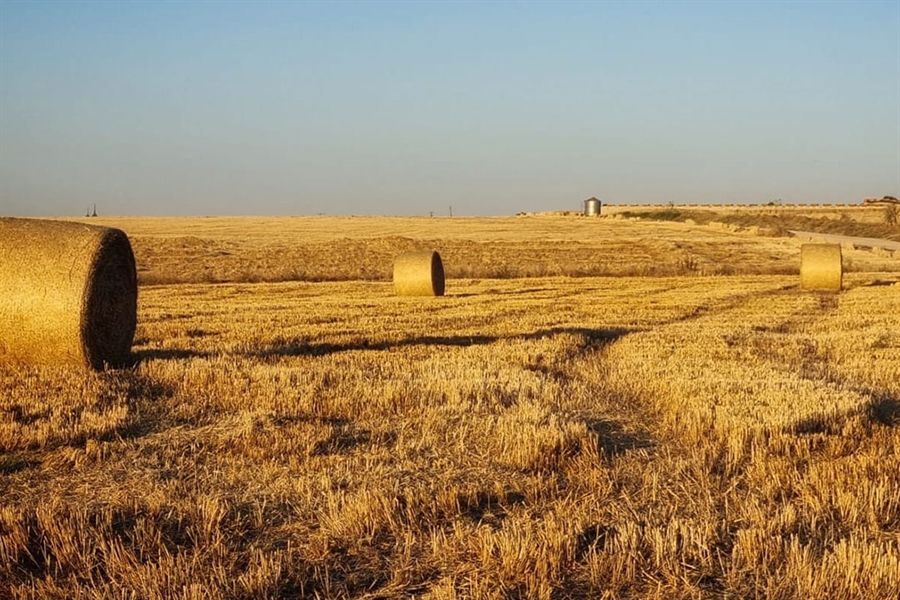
592, 207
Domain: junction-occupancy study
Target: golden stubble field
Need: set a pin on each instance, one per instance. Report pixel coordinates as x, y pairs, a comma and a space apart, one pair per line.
598, 408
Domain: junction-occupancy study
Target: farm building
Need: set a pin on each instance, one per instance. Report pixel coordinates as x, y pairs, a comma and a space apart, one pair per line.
592, 207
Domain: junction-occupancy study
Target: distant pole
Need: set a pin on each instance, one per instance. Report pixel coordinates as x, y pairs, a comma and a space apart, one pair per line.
451, 211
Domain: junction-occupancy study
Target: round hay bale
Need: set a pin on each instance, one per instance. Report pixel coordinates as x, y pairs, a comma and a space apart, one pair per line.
820, 267
68, 293
419, 274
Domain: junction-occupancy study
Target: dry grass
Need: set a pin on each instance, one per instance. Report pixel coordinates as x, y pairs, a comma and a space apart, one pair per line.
629, 437
855, 220
269, 249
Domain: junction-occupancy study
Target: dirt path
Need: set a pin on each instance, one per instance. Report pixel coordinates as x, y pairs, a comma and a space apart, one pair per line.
846, 239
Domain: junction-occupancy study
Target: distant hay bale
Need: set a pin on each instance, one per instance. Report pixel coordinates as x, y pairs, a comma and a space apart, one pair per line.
820, 267
68, 293
419, 274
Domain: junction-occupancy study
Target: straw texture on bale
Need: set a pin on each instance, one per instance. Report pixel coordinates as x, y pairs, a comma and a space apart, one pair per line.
419, 274
820, 267
68, 293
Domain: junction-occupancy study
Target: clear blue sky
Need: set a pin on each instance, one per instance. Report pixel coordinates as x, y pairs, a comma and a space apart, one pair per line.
404, 108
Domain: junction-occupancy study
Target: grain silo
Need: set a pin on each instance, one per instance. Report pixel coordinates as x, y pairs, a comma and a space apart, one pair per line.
592, 207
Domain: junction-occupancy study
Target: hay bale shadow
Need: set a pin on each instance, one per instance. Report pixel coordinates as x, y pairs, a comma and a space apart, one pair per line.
299, 347
613, 440
879, 409
885, 411
486, 508
139, 356
881, 283
13, 463
343, 438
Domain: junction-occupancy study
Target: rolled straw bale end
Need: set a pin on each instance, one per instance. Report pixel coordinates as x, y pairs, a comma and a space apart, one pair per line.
68, 294
419, 274
821, 267
109, 317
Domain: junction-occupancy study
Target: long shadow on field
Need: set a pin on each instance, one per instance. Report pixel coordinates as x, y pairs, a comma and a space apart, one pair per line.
726, 304
613, 440
145, 395
15, 462
885, 411
881, 283
138, 356
297, 347
879, 409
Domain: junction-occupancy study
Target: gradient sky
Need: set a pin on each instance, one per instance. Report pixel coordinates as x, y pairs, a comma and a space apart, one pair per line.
229, 108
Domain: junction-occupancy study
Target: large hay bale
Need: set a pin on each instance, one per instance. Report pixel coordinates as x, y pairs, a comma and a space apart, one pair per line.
419, 274
68, 293
820, 267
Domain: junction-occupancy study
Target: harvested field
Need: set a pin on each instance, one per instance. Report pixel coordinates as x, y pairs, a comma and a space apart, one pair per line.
684, 431
270, 249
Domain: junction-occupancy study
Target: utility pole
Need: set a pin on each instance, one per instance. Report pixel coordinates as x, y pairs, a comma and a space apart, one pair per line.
451, 211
